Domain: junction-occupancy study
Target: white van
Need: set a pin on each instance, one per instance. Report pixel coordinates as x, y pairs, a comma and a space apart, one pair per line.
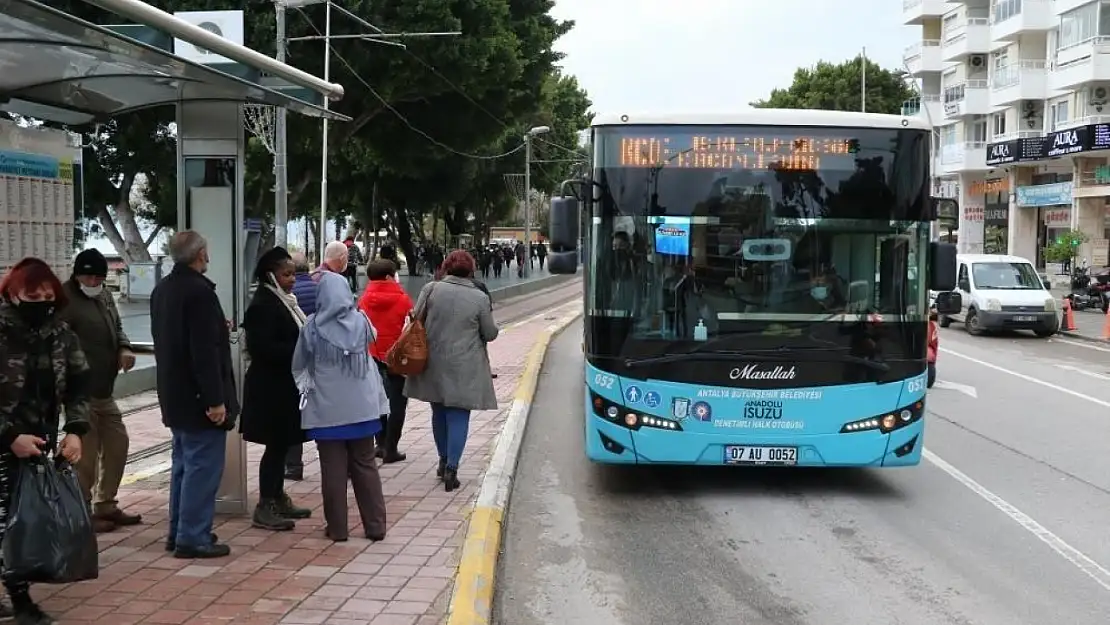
1002, 292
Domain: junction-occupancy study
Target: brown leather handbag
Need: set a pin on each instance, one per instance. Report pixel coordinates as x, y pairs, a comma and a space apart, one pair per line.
409, 355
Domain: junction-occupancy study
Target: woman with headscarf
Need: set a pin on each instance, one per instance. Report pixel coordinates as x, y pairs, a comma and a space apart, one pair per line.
342, 399
458, 319
271, 415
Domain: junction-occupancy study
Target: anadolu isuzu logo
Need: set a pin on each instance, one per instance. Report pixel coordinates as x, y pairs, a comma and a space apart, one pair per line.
755, 372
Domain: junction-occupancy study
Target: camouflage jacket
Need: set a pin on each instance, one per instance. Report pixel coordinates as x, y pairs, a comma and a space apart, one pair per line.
22, 350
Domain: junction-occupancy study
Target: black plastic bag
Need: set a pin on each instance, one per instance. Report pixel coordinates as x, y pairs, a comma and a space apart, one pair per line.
50, 537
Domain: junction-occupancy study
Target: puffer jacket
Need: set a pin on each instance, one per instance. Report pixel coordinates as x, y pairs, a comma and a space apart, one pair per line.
386, 304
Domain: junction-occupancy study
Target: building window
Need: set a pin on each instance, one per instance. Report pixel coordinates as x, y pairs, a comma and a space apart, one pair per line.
1058, 113
978, 131
999, 124
1005, 9
1078, 25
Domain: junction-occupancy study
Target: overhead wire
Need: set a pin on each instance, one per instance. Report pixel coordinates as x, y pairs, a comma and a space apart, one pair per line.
442, 77
404, 120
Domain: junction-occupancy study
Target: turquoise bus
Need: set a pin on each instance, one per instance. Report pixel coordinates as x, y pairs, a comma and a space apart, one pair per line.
756, 287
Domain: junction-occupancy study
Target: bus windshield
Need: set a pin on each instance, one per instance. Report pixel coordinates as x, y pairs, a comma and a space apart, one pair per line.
702, 231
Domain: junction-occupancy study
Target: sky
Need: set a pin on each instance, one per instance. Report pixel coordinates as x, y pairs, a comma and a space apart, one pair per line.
716, 55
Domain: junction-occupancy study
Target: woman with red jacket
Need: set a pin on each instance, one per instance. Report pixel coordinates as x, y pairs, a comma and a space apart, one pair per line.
386, 304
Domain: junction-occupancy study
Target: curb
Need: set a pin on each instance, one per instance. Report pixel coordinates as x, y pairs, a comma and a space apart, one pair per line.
1082, 337
472, 593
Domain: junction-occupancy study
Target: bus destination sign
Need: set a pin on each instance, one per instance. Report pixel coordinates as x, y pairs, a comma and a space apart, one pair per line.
734, 152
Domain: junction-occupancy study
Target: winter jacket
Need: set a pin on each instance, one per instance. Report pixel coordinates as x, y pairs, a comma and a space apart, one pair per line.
304, 289
97, 323
386, 304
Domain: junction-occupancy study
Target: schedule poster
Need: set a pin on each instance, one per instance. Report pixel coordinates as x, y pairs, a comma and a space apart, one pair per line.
36, 209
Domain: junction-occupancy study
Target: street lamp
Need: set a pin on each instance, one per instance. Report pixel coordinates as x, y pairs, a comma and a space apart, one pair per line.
538, 130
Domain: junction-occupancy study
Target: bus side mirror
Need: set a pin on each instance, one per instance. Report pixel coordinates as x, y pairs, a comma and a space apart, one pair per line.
948, 303
942, 266
563, 229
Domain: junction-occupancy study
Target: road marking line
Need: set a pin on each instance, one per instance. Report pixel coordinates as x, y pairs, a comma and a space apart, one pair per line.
1029, 378
1093, 569
149, 472
1081, 344
547, 313
1074, 369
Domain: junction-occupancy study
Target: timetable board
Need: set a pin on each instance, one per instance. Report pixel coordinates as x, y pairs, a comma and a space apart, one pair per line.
38, 189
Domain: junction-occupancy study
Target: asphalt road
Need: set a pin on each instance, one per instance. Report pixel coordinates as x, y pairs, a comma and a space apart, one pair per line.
1006, 521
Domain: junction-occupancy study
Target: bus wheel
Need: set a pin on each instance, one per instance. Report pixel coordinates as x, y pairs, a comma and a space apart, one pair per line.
932, 374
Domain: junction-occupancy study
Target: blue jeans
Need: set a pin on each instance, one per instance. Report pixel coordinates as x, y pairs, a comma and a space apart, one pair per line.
449, 428
198, 465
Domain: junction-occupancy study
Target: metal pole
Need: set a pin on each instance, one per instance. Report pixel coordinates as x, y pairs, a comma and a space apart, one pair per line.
374, 216
862, 81
324, 149
142, 13
281, 179
527, 203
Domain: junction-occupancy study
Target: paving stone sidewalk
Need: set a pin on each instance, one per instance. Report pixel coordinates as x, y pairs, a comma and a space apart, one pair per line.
300, 577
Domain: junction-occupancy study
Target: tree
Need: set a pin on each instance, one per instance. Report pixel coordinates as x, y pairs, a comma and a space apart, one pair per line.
836, 87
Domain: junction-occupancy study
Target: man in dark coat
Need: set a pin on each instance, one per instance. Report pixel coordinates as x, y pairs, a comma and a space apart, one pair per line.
196, 391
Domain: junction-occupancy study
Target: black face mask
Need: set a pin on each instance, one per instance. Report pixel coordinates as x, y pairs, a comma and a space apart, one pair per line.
35, 314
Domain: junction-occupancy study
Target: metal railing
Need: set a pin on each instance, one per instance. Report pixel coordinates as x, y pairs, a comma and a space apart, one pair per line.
1082, 121
1021, 134
1010, 75
913, 51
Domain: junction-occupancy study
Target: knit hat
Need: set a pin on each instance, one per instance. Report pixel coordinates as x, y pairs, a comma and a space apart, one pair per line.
90, 263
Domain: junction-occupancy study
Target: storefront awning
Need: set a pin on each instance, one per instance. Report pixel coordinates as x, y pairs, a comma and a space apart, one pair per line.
56, 67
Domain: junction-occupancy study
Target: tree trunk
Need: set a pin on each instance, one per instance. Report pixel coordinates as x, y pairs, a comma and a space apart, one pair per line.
121, 227
404, 234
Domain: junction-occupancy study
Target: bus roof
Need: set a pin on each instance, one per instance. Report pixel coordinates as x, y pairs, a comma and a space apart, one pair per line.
765, 117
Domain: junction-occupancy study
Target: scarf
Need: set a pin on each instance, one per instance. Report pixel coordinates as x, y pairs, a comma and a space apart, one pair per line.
289, 300
339, 333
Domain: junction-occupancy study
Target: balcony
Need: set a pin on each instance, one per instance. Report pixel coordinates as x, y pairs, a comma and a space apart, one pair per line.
1014, 136
914, 12
967, 37
1023, 80
967, 98
1012, 18
1063, 6
961, 157
928, 106
1088, 61
1089, 120
923, 57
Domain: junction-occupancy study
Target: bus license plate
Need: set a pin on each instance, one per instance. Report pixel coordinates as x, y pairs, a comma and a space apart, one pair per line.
745, 454
1024, 318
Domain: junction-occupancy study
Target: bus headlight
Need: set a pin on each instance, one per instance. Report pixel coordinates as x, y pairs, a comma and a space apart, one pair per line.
631, 419
888, 421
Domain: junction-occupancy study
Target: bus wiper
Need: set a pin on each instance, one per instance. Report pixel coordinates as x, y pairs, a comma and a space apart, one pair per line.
769, 355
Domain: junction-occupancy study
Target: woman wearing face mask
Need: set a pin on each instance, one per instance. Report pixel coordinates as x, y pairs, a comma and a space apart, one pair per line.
271, 404
42, 371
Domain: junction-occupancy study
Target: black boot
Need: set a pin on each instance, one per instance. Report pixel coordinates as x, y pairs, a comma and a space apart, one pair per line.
394, 425
451, 480
27, 612
267, 517
286, 510
441, 468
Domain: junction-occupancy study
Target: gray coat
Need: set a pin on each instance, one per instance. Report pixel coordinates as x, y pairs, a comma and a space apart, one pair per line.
459, 323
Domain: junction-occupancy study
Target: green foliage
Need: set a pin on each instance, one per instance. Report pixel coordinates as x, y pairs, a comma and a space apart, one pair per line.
1066, 246
836, 87
476, 94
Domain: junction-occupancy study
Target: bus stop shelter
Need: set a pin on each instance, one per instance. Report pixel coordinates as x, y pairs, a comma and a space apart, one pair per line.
58, 68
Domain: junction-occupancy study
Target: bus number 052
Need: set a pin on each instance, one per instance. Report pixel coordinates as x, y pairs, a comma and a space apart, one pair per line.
604, 381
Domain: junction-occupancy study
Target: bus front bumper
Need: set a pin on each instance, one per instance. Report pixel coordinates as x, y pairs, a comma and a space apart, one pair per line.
608, 443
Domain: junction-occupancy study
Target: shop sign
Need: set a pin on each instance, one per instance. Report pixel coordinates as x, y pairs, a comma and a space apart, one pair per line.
973, 213
1089, 138
1054, 194
1057, 218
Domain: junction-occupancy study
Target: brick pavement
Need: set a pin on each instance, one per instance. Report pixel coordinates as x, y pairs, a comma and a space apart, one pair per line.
300, 577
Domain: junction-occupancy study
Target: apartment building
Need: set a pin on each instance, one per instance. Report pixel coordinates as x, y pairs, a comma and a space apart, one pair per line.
1018, 92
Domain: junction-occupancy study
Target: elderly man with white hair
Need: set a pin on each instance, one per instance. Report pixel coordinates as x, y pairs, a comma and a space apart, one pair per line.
196, 392
335, 261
